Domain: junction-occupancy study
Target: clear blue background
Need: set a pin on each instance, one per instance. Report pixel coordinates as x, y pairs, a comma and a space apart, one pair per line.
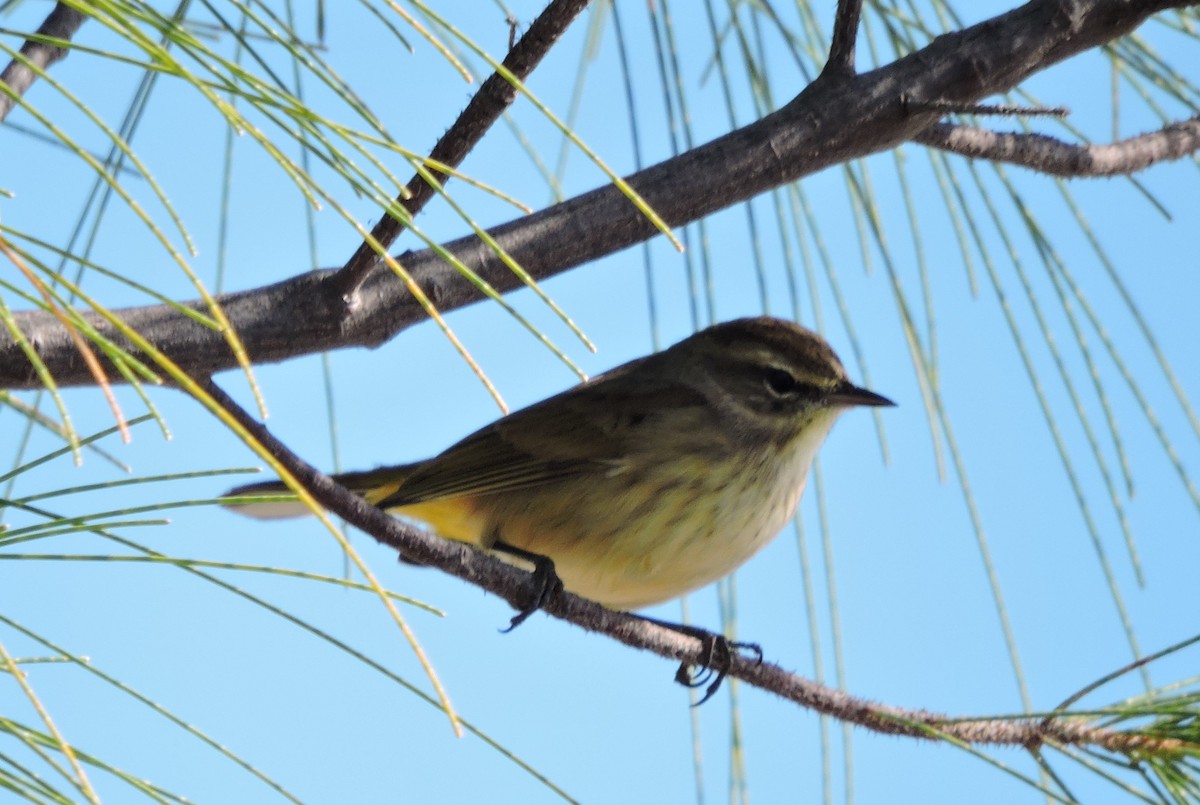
917, 620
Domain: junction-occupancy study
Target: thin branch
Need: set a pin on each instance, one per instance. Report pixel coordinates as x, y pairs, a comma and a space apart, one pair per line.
517, 588
62, 23
833, 120
845, 35
485, 108
1053, 156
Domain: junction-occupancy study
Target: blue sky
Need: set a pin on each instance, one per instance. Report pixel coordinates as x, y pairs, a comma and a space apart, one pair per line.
916, 617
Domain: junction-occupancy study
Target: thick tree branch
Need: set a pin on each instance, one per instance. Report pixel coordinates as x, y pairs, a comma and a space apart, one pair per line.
62, 23
1046, 154
495, 95
833, 120
516, 587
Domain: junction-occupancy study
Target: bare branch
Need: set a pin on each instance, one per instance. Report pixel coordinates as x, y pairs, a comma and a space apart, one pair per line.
62, 23
833, 120
1053, 156
495, 95
845, 34
516, 586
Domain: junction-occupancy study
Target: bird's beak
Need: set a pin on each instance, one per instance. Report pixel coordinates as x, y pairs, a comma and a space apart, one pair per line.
850, 394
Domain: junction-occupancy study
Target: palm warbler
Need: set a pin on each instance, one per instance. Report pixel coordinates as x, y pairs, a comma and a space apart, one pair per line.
646, 482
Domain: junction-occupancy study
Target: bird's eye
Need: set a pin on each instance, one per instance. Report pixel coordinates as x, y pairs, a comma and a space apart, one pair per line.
780, 382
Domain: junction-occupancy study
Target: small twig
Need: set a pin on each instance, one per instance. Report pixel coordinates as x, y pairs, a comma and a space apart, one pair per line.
1056, 157
992, 109
512, 30
62, 23
485, 108
845, 35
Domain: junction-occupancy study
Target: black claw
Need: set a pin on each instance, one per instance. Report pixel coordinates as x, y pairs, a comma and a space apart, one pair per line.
546, 583
518, 619
699, 679
754, 648
684, 677
716, 658
711, 689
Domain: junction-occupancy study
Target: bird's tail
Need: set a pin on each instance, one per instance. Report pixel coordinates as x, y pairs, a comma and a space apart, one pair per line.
273, 500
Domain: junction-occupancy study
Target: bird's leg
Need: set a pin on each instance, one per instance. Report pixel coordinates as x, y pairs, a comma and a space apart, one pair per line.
546, 582
716, 656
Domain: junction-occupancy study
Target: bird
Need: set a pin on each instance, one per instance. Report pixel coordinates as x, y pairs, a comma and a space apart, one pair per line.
640, 485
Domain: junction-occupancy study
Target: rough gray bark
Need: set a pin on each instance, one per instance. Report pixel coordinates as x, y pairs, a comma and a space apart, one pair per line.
838, 117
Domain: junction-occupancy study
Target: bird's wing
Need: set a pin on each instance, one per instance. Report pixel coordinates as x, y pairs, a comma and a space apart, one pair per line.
579, 432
